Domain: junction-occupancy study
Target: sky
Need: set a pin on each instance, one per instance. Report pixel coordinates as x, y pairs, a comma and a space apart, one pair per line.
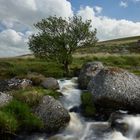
112, 19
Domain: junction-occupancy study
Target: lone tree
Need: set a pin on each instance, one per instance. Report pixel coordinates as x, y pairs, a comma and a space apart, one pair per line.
58, 38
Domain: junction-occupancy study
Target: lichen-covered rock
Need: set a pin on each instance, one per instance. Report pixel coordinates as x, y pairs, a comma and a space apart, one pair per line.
116, 88
50, 83
4, 99
88, 71
53, 114
14, 83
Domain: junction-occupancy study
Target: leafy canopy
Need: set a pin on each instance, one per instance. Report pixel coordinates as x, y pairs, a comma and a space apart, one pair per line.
58, 38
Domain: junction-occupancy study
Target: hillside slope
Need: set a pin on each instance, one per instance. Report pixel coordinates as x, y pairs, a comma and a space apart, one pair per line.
120, 40
121, 45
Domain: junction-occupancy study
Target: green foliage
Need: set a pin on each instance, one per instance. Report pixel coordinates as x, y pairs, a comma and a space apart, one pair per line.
8, 123
22, 114
87, 104
58, 38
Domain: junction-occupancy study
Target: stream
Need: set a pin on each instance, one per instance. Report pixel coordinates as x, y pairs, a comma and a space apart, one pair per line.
81, 128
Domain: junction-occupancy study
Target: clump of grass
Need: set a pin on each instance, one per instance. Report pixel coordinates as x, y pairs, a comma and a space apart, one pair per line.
36, 78
8, 123
87, 104
23, 116
33, 95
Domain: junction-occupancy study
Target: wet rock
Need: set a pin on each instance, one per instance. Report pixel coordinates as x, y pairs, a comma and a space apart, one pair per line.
117, 89
75, 109
53, 114
117, 123
50, 83
4, 99
88, 71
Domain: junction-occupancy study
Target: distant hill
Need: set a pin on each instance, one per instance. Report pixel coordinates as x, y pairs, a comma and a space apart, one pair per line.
120, 45
120, 40
26, 56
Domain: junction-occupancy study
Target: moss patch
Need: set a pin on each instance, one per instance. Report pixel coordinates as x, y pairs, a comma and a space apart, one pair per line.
88, 107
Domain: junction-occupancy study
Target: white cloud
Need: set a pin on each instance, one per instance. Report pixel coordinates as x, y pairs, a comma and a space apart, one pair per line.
13, 43
98, 9
30, 11
17, 18
123, 4
108, 28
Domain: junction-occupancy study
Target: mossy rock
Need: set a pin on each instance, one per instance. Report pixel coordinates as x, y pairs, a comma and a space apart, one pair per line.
88, 108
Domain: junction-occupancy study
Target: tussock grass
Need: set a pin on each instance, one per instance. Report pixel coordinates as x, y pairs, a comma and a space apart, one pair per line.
33, 95
17, 116
8, 123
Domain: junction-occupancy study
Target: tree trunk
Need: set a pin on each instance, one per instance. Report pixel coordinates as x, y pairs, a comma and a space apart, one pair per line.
66, 68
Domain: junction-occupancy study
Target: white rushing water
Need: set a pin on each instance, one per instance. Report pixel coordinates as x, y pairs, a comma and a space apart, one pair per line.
81, 129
